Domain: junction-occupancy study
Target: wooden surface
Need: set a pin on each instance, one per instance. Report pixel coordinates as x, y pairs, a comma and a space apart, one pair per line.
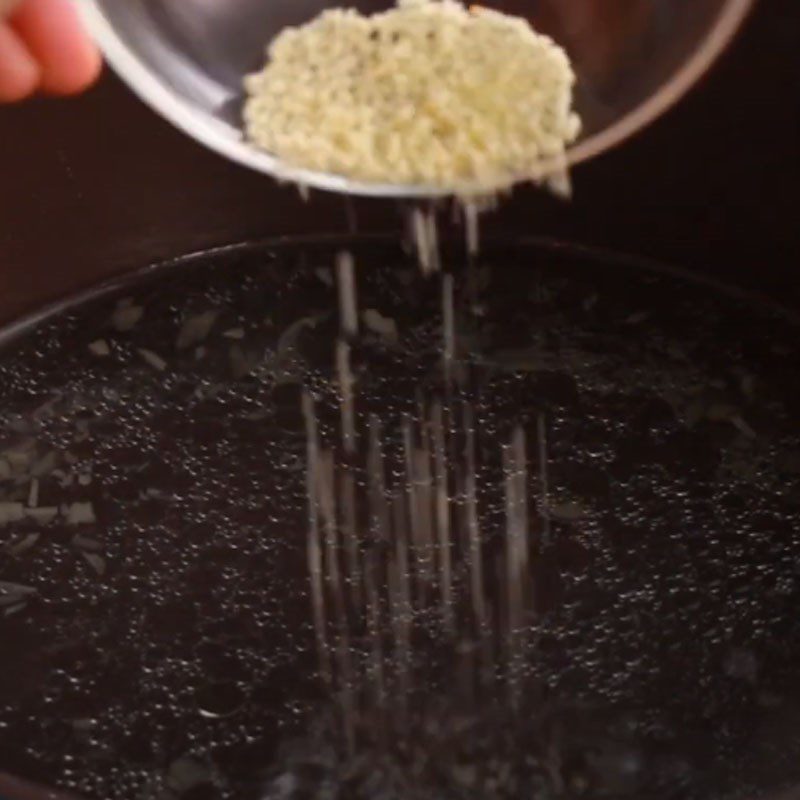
95, 186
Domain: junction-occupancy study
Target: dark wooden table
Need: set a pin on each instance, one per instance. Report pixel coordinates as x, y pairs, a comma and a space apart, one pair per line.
95, 186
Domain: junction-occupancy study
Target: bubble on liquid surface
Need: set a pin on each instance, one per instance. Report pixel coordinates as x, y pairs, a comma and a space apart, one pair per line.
659, 657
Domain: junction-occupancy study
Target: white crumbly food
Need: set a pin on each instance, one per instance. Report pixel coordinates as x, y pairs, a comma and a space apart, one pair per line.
428, 93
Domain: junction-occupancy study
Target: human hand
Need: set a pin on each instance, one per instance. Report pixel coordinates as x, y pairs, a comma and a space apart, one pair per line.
43, 47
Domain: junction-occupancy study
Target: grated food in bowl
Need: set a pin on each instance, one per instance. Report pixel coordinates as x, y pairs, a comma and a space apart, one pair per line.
429, 93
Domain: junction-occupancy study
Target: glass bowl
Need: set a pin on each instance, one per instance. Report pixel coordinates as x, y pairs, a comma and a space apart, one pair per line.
186, 58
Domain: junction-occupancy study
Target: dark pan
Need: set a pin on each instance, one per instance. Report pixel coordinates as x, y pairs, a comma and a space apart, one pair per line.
156, 634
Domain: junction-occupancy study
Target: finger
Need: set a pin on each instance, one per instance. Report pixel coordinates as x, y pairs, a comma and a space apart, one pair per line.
68, 59
19, 72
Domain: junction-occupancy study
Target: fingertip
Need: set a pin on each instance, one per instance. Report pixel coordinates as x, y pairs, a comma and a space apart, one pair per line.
20, 73
81, 75
70, 62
